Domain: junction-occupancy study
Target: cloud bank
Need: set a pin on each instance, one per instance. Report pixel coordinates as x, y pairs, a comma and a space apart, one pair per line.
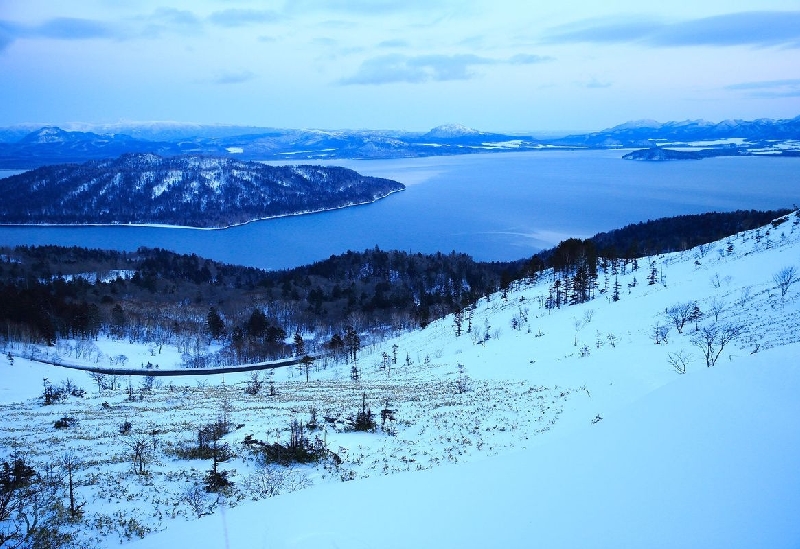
769, 88
394, 68
755, 28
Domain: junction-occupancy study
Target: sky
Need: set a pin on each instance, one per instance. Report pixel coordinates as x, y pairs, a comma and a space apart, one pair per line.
494, 65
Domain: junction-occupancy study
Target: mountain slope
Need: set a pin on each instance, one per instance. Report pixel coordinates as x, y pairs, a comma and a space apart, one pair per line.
560, 427
188, 190
637, 456
708, 461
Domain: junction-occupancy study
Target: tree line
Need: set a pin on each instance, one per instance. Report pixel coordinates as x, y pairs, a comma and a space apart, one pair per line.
156, 296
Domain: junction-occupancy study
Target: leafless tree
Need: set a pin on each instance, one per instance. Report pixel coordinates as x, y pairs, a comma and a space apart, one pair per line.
660, 333
140, 453
716, 306
785, 278
29, 504
712, 339
70, 463
679, 360
680, 314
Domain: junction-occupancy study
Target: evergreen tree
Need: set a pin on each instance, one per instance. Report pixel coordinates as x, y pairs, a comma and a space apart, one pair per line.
216, 326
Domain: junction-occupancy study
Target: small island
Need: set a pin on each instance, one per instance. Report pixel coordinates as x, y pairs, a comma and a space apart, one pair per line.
657, 154
660, 154
188, 191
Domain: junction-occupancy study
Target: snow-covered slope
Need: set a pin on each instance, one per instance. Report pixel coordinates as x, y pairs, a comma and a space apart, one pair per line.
709, 460
565, 427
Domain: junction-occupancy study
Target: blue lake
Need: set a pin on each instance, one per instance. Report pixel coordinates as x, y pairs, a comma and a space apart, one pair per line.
492, 206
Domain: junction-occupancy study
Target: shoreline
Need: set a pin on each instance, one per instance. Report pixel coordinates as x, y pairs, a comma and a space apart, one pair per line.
168, 226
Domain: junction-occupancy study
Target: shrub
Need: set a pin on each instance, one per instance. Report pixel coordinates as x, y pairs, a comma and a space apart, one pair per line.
65, 422
299, 449
365, 419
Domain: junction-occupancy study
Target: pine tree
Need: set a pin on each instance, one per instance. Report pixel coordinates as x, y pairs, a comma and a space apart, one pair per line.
216, 326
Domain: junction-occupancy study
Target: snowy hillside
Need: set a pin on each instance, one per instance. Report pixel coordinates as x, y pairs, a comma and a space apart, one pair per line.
564, 427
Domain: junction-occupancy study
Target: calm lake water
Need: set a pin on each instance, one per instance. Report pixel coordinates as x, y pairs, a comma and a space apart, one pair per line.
493, 206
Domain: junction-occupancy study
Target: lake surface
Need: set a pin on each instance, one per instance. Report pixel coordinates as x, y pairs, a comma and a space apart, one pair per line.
499, 206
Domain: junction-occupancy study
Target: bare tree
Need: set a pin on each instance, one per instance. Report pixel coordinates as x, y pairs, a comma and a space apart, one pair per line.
70, 464
679, 360
463, 381
660, 333
785, 278
716, 306
711, 340
100, 379
140, 454
680, 314
29, 503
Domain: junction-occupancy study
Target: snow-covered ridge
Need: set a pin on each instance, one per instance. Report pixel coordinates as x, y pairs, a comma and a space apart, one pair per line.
190, 190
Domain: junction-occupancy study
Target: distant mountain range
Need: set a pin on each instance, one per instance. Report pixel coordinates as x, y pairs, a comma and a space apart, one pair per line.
646, 133
196, 191
27, 146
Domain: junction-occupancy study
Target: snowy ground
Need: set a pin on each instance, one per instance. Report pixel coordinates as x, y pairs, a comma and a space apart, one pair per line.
563, 428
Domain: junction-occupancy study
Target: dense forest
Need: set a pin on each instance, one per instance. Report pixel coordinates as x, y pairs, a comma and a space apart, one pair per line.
153, 295
48, 293
196, 191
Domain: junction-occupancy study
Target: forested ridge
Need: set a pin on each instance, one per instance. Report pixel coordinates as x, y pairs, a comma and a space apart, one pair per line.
153, 295
50, 292
196, 191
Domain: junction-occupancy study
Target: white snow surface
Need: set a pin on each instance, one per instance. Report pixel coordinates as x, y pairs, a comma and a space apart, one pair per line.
709, 460
574, 430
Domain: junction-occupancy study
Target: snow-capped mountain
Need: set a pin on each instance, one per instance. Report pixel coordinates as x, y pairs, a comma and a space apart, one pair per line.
51, 145
644, 133
450, 131
194, 191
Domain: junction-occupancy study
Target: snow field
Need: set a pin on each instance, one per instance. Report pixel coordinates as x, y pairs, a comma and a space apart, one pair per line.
561, 417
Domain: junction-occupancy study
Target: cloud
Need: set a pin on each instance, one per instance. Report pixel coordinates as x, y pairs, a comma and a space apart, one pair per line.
175, 17
7, 35
526, 59
393, 68
58, 28
594, 84
600, 32
769, 88
755, 28
325, 42
70, 28
387, 69
243, 17
163, 21
234, 77
396, 43
368, 7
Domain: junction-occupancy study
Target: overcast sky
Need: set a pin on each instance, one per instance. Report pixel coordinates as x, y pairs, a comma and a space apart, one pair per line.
494, 65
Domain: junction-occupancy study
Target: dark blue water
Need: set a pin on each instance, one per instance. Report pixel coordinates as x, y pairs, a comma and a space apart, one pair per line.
492, 206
